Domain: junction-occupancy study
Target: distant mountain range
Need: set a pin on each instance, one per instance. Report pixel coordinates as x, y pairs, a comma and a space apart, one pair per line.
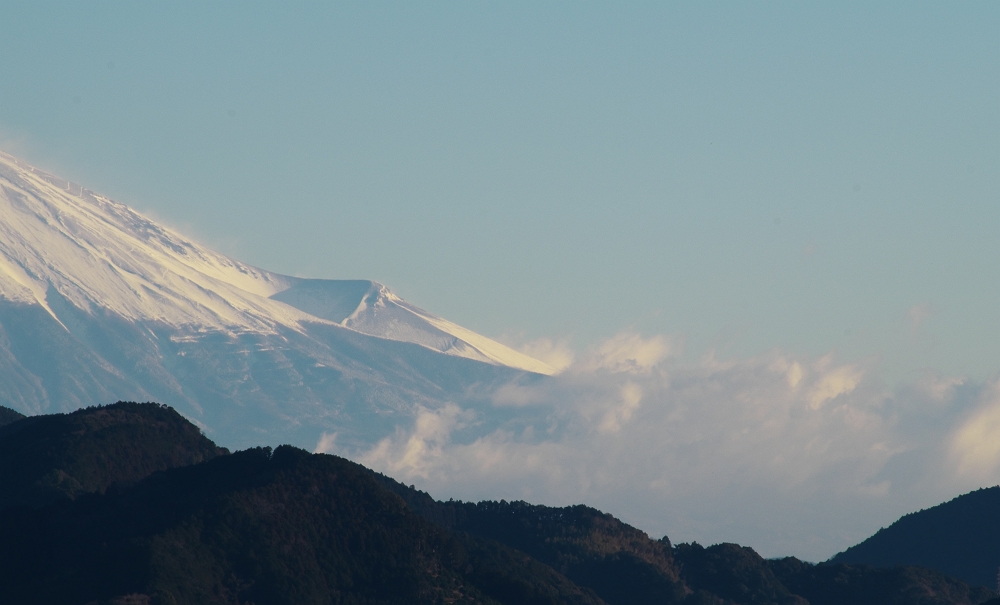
99, 303
129, 504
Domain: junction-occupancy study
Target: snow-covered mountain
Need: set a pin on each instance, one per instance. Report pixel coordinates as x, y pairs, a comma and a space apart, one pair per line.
99, 303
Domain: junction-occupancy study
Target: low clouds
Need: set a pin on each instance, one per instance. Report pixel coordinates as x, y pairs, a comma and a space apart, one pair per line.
832, 382
420, 452
975, 444
790, 455
557, 354
627, 352
629, 399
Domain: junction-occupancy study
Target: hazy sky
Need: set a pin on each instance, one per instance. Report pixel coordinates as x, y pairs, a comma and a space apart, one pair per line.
758, 185
789, 175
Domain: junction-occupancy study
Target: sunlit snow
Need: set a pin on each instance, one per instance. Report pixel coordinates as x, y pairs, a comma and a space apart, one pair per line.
101, 254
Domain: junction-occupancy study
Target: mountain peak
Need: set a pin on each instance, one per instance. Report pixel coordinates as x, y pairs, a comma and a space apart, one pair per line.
371, 308
99, 303
61, 239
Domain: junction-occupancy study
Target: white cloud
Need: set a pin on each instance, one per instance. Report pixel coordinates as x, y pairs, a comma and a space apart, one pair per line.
937, 387
792, 369
631, 395
327, 443
833, 383
558, 354
627, 352
975, 443
791, 456
415, 454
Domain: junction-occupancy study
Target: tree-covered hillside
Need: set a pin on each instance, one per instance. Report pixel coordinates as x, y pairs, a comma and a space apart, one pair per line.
262, 527
626, 567
45, 458
145, 510
960, 537
8, 415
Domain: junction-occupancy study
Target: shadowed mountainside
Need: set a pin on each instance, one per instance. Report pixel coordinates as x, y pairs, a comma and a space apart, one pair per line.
960, 538
626, 567
287, 527
618, 562
45, 458
733, 572
144, 510
830, 584
8, 415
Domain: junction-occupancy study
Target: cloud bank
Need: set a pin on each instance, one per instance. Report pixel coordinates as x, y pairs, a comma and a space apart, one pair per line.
788, 455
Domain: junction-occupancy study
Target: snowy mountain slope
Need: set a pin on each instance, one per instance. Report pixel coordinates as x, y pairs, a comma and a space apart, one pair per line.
370, 308
96, 252
99, 303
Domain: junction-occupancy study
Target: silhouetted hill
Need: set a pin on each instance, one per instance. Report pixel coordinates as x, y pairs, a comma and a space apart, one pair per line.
620, 563
103, 527
733, 572
44, 458
737, 574
289, 528
625, 567
8, 415
834, 584
960, 538
617, 561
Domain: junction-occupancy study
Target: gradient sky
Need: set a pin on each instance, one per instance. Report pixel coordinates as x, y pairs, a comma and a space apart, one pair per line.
747, 177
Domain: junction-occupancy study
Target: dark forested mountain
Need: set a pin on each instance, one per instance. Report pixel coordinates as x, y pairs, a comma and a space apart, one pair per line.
733, 572
624, 566
740, 575
45, 458
618, 562
256, 526
146, 511
832, 584
8, 415
960, 538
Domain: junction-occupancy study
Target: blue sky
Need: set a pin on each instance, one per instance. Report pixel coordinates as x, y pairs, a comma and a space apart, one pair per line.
784, 175
767, 182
